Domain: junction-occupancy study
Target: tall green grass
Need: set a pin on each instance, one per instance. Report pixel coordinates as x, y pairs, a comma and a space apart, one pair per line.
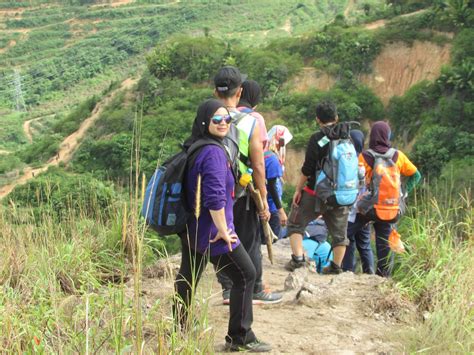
64, 289
72, 282
436, 271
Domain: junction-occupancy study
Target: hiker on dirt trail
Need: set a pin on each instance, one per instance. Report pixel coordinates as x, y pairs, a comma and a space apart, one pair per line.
307, 206
228, 88
375, 205
249, 99
274, 156
211, 233
358, 232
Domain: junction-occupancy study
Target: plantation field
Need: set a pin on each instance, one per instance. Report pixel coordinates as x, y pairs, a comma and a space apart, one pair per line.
63, 54
56, 47
110, 89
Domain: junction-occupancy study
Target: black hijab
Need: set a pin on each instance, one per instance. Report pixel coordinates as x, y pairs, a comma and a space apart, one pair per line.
201, 123
358, 140
251, 94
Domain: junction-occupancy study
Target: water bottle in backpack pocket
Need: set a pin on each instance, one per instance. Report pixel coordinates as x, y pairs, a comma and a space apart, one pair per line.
383, 202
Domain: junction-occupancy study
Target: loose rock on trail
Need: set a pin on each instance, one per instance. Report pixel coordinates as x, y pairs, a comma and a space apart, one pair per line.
319, 314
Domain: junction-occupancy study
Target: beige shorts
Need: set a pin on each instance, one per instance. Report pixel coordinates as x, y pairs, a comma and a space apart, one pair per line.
310, 208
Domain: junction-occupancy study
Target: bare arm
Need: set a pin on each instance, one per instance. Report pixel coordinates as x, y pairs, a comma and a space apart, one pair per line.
218, 217
301, 182
258, 165
299, 187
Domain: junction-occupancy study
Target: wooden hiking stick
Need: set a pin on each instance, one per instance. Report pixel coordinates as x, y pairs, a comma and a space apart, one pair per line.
269, 235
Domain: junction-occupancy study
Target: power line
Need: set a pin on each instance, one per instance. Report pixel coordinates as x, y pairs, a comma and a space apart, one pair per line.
19, 99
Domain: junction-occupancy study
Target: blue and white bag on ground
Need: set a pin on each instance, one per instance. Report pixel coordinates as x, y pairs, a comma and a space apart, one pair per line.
315, 244
321, 253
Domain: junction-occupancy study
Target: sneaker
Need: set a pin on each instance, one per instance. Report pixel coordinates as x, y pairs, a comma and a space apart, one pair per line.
294, 264
266, 297
226, 297
253, 347
332, 269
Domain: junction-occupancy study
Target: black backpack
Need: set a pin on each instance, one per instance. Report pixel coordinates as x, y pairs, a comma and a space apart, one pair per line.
164, 207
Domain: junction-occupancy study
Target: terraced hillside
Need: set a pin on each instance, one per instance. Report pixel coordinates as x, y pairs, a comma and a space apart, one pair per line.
55, 47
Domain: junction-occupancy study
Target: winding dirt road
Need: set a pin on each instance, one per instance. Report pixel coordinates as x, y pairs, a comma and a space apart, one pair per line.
287, 26
70, 144
349, 7
27, 127
381, 23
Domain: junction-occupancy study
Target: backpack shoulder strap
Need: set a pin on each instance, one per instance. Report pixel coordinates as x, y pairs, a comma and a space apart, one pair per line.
387, 155
198, 145
246, 110
241, 115
238, 117
390, 153
325, 166
201, 143
372, 153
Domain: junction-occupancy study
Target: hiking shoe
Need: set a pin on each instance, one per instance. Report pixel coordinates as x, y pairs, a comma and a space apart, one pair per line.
266, 297
253, 347
294, 264
226, 297
332, 269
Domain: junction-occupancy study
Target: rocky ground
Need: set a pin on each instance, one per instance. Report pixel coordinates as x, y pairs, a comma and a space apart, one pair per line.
347, 313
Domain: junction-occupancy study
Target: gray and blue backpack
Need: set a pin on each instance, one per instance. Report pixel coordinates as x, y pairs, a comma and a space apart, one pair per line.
337, 180
164, 207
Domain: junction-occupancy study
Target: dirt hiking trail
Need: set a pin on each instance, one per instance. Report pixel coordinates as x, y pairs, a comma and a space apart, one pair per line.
349, 7
27, 127
287, 26
343, 314
69, 145
381, 23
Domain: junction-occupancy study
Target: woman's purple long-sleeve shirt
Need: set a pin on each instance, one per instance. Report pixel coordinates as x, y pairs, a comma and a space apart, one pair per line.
217, 187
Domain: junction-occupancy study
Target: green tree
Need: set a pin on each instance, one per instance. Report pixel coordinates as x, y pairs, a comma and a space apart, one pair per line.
366, 8
190, 58
268, 68
459, 12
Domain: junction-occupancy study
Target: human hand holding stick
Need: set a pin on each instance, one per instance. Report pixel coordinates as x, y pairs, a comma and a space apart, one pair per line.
269, 235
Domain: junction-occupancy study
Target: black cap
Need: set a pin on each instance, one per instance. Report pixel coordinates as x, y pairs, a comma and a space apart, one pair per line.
228, 78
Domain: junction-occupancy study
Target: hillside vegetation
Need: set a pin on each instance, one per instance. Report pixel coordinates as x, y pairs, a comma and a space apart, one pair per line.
57, 46
75, 250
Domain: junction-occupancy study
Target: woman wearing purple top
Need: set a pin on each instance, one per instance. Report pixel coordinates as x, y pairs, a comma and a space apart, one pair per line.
211, 236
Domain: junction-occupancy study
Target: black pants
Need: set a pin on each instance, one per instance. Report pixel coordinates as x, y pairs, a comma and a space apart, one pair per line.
384, 254
239, 269
247, 227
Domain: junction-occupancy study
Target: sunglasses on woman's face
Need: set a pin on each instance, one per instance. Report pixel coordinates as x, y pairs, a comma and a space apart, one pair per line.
217, 119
